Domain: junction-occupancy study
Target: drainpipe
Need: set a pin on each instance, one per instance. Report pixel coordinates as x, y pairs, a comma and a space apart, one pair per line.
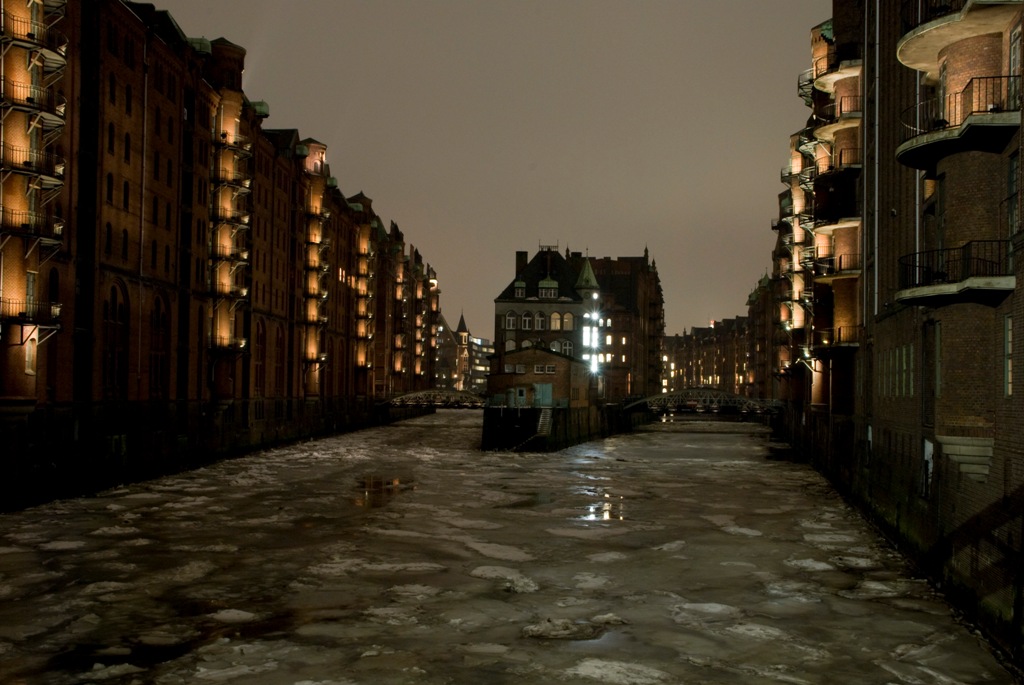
875, 243
142, 205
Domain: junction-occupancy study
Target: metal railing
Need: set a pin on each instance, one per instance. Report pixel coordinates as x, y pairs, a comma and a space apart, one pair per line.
35, 97
981, 95
22, 29
840, 335
953, 265
33, 223
34, 311
918, 12
33, 161
835, 264
845, 106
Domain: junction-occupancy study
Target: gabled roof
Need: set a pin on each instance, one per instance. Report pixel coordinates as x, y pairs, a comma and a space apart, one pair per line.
546, 265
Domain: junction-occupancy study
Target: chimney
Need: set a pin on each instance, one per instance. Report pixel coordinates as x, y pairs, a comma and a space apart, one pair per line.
521, 259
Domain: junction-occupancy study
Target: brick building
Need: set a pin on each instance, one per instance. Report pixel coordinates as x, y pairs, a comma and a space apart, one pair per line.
607, 312
178, 280
714, 356
898, 264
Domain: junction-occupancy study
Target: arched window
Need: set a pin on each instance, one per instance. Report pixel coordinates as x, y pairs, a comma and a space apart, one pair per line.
510, 321
567, 322
124, 192
108, 239
116, 325
541, 323
555, 346
110, 188
567, 348
527, 344
260, 360
527, 321
510, 345
127, 147
556, 321
279, 387
110, 138
159, 351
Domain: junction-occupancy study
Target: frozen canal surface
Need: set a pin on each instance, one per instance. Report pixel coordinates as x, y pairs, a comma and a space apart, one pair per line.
404, 555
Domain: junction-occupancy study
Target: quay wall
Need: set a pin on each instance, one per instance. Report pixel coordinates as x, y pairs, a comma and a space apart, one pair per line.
72, 450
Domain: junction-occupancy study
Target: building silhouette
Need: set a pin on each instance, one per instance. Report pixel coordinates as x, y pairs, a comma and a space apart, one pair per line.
179, 280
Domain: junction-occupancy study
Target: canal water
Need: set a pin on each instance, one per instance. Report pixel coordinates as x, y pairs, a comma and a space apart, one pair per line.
683, 553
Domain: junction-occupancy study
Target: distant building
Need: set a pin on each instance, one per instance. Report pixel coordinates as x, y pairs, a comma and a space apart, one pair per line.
614, 325
715, 356
462, 360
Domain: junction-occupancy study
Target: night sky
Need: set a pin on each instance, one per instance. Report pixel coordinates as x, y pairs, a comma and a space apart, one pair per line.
482, 127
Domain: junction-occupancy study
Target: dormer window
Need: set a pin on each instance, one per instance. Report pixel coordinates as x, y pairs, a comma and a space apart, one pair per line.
548, 293
520, 289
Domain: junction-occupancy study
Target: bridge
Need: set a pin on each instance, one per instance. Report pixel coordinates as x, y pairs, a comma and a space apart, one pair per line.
705, 399
460, 399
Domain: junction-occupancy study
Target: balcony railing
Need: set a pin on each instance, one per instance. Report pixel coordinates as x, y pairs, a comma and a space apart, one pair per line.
229, 342
837, 264
982, 95
30, 311
845, 106
978, 258
918, 12
28, 96
25, 30
31, 223
841, 335
33, 161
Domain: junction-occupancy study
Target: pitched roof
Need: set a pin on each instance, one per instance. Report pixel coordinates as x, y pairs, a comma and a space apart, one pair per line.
546, 265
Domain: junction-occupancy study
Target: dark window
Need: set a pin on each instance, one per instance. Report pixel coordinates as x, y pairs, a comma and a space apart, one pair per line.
110, 138
128, 147
152, 255
110, 188
108, 240
124, 243
124, 192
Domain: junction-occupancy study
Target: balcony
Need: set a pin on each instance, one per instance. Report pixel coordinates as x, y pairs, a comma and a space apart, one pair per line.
48, 108
930, 26
47, 169
841, 336
834, 267
231, 253
239, 144
845, 113
239, 181
34, 224
233, 217
835, 67
48, 46
229, 343
31, 312
982, 117
979, 271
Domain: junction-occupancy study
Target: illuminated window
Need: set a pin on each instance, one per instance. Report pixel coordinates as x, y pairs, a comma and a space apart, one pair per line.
556, 322
567, 322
